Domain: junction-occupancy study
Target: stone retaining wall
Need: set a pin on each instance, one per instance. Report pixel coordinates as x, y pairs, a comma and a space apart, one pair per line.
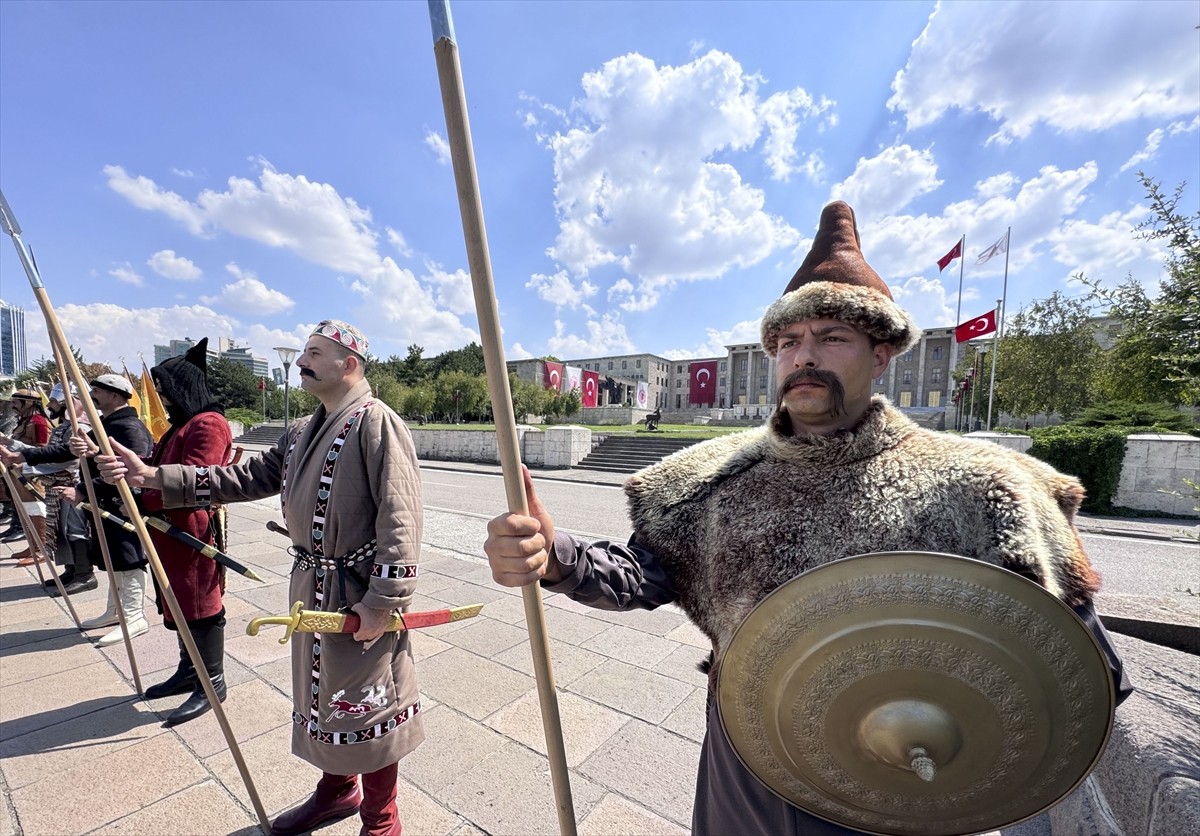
560, 446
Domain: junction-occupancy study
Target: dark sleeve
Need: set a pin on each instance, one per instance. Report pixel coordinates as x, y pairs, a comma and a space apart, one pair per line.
610, 576
1124, 687
49, 454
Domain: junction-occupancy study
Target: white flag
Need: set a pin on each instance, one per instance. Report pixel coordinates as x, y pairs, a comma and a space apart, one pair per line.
1000, 246
574, 376
643, 394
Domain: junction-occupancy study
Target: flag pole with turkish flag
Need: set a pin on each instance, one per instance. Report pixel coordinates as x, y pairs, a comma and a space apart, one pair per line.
980, 326
702, 382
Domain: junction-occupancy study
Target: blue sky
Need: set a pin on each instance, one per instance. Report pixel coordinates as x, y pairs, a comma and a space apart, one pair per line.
651, 172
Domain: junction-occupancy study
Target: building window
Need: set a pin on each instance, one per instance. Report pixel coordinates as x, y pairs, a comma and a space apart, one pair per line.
624, 364
722, 365
935, 398
679, 370
935, 376
678, 401
907, 376
639, 363
764, 361
610, 365
745, 364
762, 382
908, 356
879, 380
906, 398
722, 383
937, 352
742, 385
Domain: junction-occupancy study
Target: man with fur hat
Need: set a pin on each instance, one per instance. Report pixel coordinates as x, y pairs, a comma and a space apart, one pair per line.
835, 473
111, 393
350, 488
33, 430
54, 467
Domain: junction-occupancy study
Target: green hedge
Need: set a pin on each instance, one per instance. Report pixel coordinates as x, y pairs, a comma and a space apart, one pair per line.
1094, 455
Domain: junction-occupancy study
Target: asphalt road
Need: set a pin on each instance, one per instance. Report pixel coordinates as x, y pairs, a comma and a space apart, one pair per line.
1138, 573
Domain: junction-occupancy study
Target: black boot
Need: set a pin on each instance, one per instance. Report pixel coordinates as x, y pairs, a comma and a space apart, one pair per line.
14, 531
210, 641
180, 682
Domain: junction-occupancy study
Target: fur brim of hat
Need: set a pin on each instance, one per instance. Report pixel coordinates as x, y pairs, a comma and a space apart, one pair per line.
880, 317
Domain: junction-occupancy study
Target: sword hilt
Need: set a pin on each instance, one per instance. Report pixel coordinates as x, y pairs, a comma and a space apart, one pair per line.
291, 621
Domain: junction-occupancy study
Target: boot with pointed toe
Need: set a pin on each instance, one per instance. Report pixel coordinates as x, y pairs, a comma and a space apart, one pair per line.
379, 814
180, 682
131, 589
337, 797
210, 641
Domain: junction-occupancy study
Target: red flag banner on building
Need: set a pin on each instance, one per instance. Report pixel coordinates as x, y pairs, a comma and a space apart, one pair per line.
976, 327
702, 382
553, 375
945, 260
591, 388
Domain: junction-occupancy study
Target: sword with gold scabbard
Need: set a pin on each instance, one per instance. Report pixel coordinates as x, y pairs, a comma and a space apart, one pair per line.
318, 621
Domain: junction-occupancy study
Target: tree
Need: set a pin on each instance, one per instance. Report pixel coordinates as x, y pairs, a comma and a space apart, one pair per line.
468, 359
418, 401
1157, 355
233, 385
45, 370
1047, 358
385, 387
528, 398
409, 370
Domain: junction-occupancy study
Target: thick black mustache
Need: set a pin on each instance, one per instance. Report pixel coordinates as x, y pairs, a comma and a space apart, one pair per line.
309, 373
828, 379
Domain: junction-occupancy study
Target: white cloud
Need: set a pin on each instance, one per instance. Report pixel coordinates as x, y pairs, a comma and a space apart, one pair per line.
313, 221
605, 336
454, 292
560, 291
171, 266
127, 274
249, 295
398, 241
1109, 249
746, 331
929, 302
1149, 151
186, 173
518, 352
439, 146
1031, 62
637, 185
888, 182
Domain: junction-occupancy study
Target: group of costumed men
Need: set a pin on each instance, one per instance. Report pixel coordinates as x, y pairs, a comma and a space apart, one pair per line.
717, 527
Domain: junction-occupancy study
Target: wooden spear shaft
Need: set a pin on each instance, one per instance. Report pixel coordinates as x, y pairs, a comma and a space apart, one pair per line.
462, 155
59, 342
85, 476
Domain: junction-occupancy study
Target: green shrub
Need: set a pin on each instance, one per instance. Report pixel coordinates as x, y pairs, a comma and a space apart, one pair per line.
1158, 416
246, 417
1093, 455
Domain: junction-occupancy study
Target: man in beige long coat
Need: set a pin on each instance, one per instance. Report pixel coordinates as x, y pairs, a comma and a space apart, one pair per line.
350, 488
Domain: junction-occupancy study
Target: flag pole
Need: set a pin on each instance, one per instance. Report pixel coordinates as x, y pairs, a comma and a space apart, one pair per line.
995, 349
58, 341
462, 155
962, 260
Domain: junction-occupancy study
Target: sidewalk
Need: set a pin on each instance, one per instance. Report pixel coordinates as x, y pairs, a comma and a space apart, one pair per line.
81, 753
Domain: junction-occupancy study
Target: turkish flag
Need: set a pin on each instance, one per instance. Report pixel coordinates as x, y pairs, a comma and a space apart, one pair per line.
702, 382
591, 388
554, 375
950, 256
976, 327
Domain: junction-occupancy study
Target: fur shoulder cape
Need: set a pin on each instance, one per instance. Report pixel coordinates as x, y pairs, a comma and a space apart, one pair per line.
733, 518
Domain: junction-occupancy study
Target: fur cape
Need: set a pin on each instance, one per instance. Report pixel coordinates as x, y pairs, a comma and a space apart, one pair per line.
733, 518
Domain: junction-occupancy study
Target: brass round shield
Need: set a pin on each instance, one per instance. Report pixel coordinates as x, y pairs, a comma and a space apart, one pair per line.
916, 693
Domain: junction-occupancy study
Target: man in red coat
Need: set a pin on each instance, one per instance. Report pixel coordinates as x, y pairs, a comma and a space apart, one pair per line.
199, 435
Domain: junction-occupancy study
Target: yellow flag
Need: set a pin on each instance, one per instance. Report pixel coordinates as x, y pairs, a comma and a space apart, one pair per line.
153, 416
135, 400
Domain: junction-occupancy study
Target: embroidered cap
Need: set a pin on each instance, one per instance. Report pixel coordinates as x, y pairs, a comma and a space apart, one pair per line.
114, 383
344, 334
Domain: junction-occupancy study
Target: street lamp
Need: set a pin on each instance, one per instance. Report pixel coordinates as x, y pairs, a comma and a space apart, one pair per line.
286, 356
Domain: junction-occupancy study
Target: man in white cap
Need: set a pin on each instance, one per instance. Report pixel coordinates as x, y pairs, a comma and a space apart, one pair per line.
836, 472
111, 394
350, 487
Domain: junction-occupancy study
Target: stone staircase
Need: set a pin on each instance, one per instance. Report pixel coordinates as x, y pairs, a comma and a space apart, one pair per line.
262, 435
630, 453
